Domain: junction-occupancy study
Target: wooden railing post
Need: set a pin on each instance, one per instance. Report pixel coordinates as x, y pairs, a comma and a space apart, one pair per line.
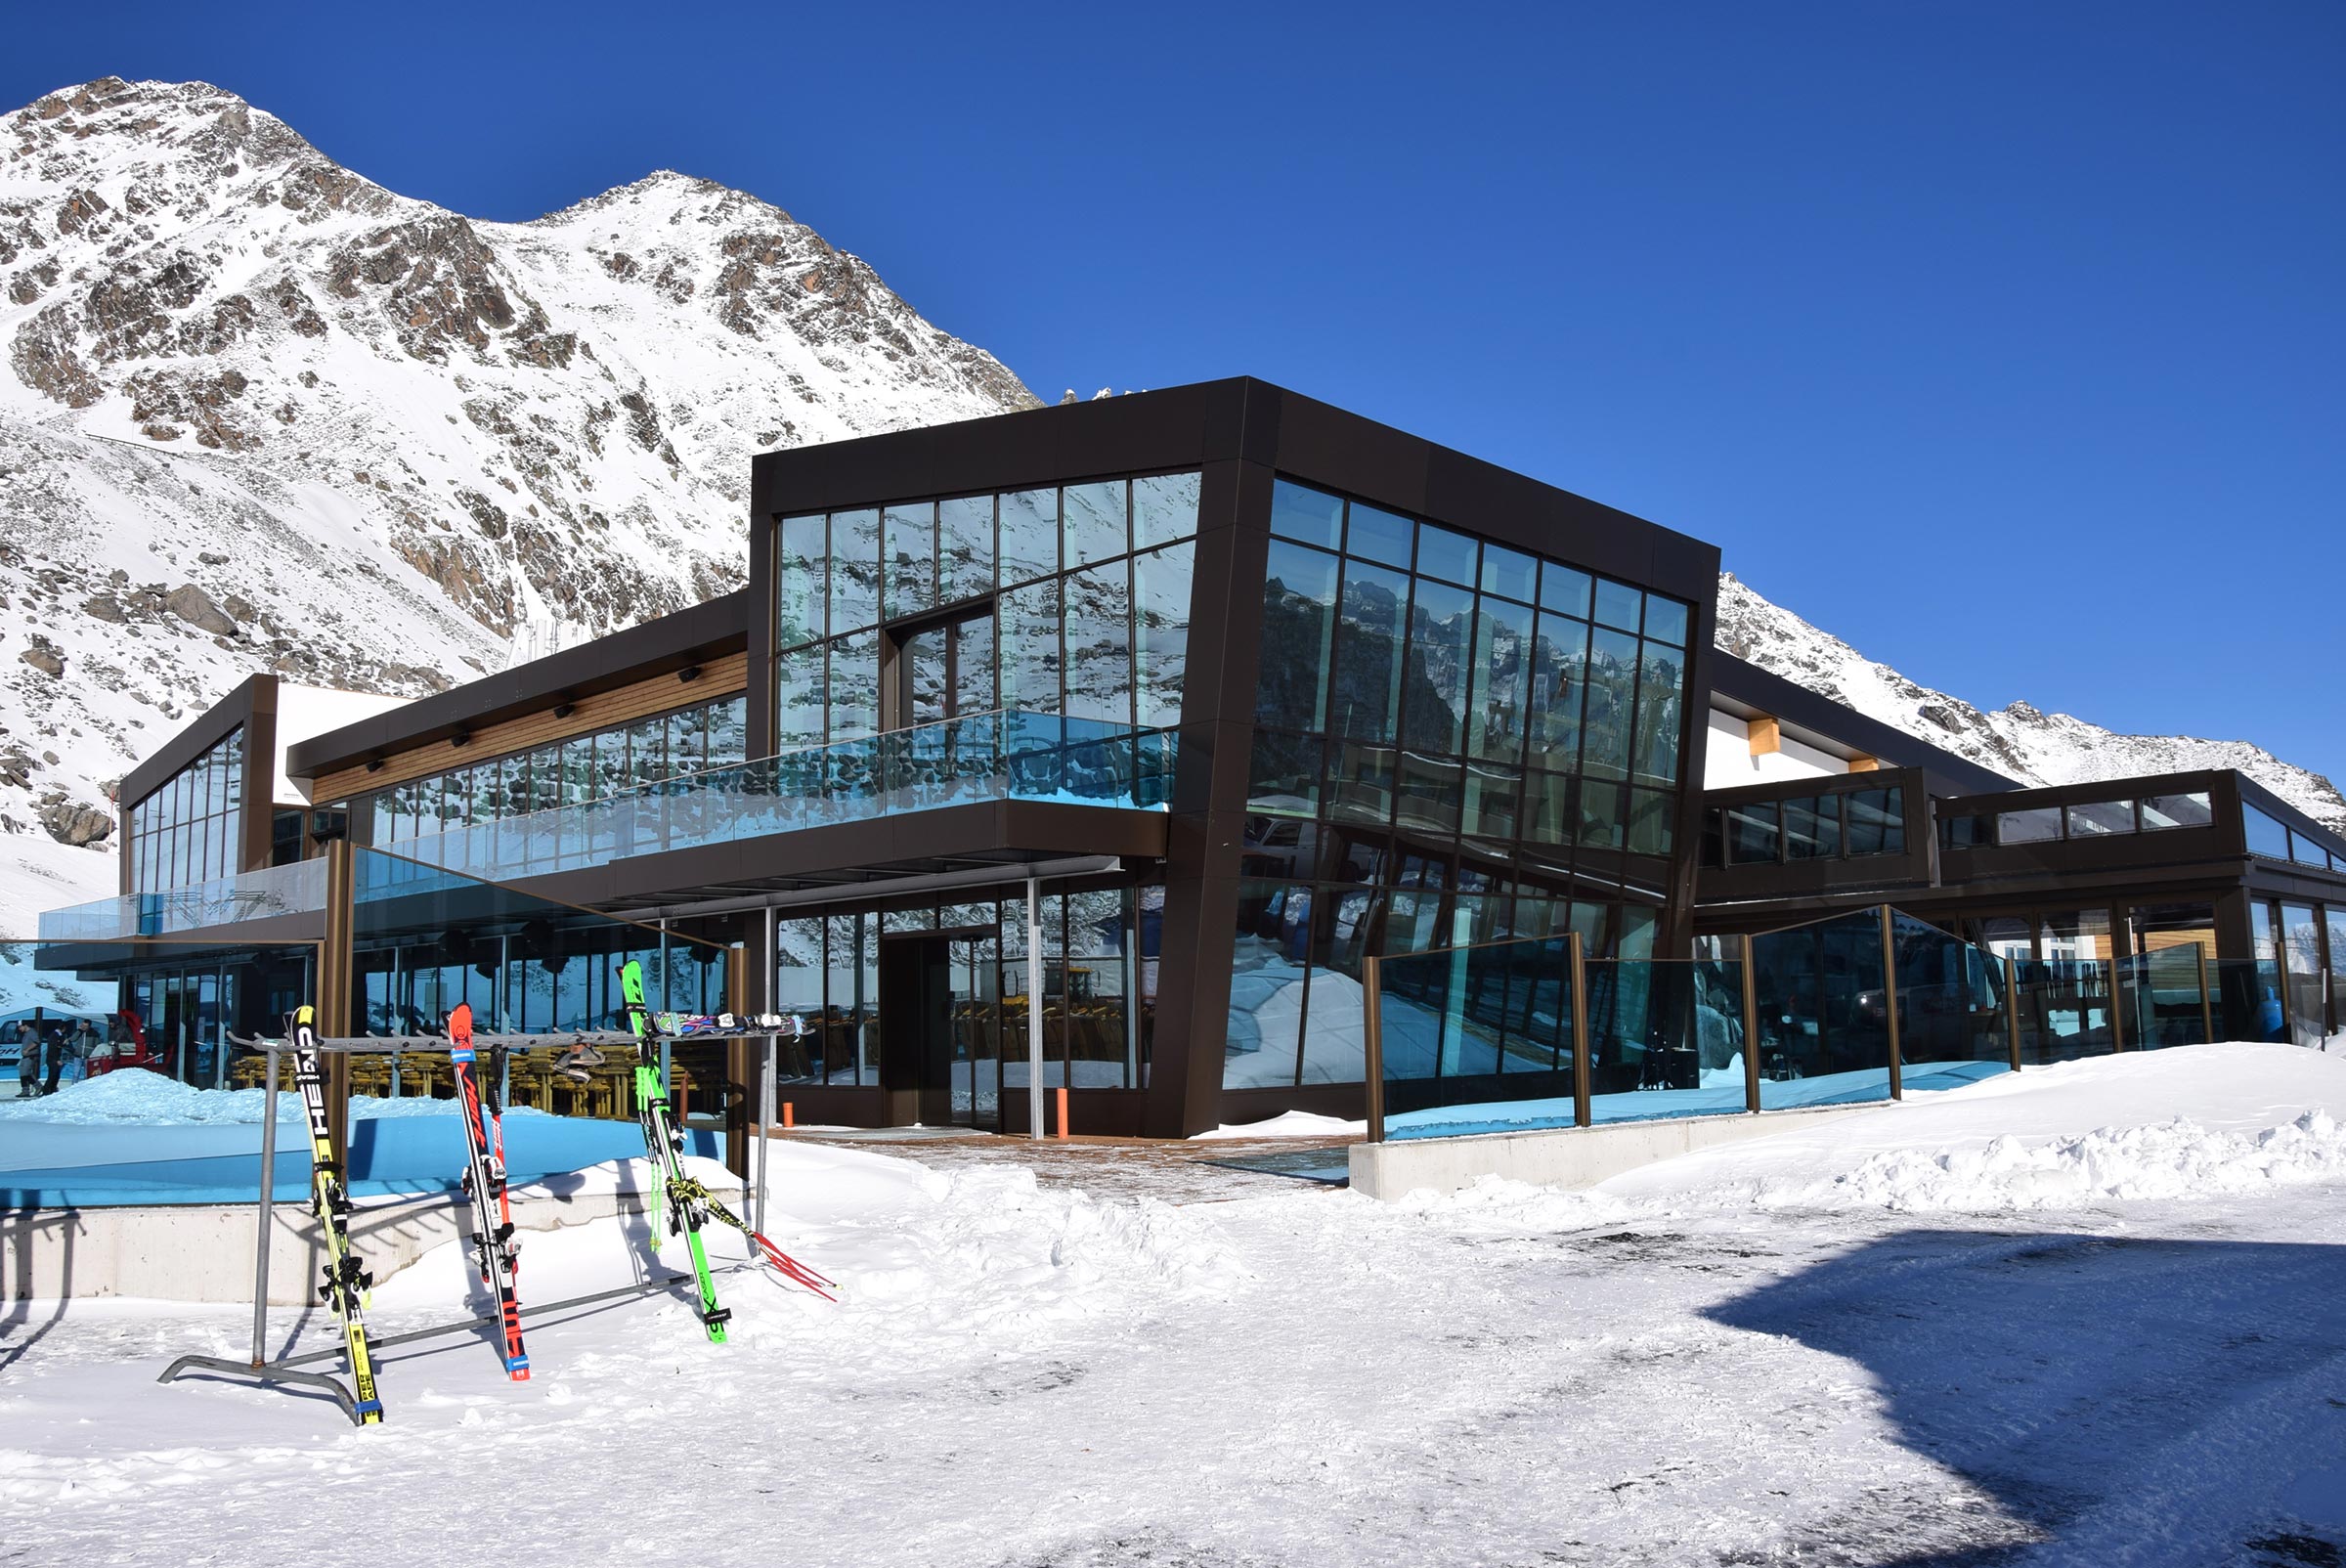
1889, 1002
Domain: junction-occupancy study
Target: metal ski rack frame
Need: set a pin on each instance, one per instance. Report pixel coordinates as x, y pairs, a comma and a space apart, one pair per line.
283, 1370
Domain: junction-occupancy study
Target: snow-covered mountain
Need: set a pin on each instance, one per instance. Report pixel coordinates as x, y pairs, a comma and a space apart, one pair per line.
2019, 741
260, 413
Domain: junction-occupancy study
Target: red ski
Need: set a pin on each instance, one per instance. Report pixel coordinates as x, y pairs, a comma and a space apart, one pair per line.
485, 1185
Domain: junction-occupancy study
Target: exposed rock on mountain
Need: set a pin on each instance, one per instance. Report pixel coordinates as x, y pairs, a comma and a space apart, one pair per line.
258, 412
2018, 742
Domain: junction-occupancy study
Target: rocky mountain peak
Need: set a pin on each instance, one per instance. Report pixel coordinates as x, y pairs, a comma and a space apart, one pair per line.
386, 444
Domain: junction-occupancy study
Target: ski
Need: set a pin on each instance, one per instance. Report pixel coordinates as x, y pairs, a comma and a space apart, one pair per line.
677, 1200
347, 1282
689, 1202
485, 1185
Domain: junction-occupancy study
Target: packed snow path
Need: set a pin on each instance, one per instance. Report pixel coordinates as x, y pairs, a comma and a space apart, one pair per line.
1749, 1361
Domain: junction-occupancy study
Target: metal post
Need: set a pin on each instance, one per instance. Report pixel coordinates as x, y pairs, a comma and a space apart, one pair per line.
2117, 1003
1034, 1007
1750, 1029
766, 1097
1372, 1045
1576, 952
267, 1207
2012, 1006
1889, 1002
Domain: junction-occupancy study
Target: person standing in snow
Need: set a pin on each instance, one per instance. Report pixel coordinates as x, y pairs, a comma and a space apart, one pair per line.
28, 1060
57, 1049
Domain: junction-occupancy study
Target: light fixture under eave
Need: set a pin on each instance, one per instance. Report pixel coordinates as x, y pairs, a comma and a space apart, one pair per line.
563, 710
374, 764
460, 740
688, 674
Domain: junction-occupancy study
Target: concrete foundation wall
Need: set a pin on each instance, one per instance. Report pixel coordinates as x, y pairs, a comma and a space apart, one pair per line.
1563, 1156
205, 1252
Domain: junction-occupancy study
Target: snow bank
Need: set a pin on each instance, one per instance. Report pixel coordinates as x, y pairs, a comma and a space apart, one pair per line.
2191, 1122
137, 1097
1287, 1124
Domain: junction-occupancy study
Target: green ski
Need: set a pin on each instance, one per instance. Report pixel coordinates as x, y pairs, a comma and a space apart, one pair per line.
679, 1200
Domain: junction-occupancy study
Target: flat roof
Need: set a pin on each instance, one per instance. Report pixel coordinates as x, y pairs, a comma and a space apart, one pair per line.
1739, 687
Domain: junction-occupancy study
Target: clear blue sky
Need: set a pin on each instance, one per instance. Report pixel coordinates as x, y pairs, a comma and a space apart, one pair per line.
2006, 340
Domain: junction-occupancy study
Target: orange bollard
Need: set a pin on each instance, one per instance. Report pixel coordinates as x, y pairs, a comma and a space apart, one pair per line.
1062, 1112
789, 1120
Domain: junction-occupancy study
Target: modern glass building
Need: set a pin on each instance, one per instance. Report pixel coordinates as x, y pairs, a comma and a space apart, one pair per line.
1197, 697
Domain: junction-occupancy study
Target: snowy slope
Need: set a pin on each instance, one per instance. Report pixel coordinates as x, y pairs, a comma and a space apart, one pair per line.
387, 445
2018, 742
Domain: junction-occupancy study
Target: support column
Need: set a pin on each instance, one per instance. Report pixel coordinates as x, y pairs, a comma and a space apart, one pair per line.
1890, 1001
1034, 1008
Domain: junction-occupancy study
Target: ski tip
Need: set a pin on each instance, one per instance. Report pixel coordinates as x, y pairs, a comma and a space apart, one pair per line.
519, 1367
370, 1412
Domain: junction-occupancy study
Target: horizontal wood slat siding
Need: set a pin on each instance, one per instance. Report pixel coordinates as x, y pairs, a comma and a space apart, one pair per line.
718, 679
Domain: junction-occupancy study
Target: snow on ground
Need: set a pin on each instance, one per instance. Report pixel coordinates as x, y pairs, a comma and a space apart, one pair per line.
1755, 1356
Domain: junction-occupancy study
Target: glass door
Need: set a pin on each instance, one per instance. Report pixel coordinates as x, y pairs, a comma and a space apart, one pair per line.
977, 1024
943, 671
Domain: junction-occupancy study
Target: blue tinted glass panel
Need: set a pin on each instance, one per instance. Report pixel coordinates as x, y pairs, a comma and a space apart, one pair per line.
1558, 676
802, 575
1098, 643
1029, 535
1665, 620
908, 583
1618, 604
1299, 616
1381, 536
1164, 508
965, 550
1565, 590
855, 694
1093, 521
2266, 837
1661, 711
1612, 696
799, 698
1312, 516
1445, 554
1365, 702
1030, 650
1441, 634
854, 570
1509, 572
1500, 704
1161, 585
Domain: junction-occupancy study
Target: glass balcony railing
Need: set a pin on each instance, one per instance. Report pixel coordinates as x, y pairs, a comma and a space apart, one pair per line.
1001, 756
298, 888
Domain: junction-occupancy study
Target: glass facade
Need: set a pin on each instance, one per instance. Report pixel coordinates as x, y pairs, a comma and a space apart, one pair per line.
1843, 825
1070, 599
1098, 951
2092, 819
1448, 732
571, 772
191, 829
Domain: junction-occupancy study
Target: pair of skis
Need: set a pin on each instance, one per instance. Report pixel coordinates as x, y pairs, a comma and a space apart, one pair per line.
347, 1283
495, 1245
679, 1202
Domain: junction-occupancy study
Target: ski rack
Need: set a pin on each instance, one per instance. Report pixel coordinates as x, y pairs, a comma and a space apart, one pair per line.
263, 1369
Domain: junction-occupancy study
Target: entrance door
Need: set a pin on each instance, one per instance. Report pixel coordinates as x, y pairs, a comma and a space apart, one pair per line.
940, 1052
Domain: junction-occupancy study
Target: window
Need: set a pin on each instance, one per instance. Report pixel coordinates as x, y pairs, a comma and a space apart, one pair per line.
1752, 834
1812, 828
1877, 821
2101, 819
2035, 825
2266, 837
1967, 832
2191, 811
190, 829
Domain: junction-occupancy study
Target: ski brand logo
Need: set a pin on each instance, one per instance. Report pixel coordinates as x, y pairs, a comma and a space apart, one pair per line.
305, 1065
